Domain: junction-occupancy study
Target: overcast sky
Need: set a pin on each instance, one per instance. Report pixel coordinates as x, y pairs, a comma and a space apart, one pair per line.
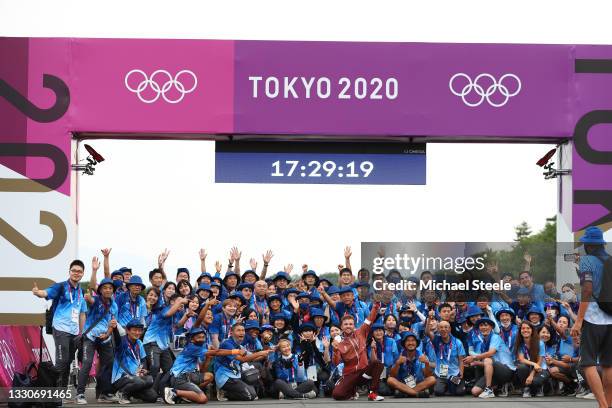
151, 195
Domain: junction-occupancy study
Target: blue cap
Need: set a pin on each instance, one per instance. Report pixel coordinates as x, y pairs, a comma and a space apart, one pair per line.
245, 285
135, 280
331, 290
281, 275
204, 275
179, 270
361, 284
230, 273
134, 323
593, 235
274, 297
251, 324
203, 286
125, 269
196, 330
315, 297
307, 326
377, 325
523, 292
265, 327
535, 309
485, 320
473, 311
290, 291
237, 295
106, 281
303, 295
505, 310
316, 312
217, 277
278, 316
117, 273
345, 289
117, 283
250, 272
321, 280
215, 283
407, 334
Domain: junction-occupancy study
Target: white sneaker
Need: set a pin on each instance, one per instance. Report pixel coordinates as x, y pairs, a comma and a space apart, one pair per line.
169, 396
311, 394
540, 392
526, 392
221, 395
281, 395
80, 399
356, 397
487, 393
122, 399
589, 396
104, 398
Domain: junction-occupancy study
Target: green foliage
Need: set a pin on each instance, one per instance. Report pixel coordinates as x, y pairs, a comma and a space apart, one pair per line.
331, 276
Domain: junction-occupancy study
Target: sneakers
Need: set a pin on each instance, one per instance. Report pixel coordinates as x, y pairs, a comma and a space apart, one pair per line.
356, 397
311, 394
581, 392
80, 399
423, 394
280, 395
503, 392
372, 396
540, 392
589, 395
487, 393
122, 399
221, 395
107, 398
526, 392
169, 396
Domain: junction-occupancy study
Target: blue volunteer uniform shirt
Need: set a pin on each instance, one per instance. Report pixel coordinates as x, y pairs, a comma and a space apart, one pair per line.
222, 326
226, 367
565, 347
386, 352
131, 309
189, 359
526, 354
70, 305
509, 336
97, 309
357, 310
160, 329
411, 367
502, 352
129, 356
289, 369
448, 354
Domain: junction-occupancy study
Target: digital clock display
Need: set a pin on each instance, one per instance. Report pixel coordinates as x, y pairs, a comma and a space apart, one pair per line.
320, 163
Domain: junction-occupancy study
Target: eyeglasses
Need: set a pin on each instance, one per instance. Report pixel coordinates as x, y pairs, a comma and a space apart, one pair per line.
76, 271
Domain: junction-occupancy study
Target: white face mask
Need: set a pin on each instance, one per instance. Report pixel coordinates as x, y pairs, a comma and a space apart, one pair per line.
569, 296
506, 324
289, 357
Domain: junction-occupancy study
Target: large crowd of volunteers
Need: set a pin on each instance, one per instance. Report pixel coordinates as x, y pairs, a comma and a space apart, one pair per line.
247, 335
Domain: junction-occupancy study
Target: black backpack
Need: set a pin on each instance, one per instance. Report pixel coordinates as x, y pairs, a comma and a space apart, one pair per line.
604, 301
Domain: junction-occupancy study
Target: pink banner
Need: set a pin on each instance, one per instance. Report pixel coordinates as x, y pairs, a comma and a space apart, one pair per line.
19, 346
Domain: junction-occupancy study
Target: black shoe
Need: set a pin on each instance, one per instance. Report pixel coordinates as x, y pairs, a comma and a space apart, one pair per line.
423, 394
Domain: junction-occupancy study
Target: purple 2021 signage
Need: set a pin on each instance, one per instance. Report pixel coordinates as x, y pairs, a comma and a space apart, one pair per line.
52, 87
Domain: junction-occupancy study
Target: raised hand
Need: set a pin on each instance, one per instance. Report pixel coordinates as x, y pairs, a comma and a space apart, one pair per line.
321, 289
325, 341
218, 266
288, 268
304, 268
235, 254
106, 252
95, 263
253, 263
35, 289
161, 259
528, 258
347, 252
267, 256
202, 254
381, 252
340, 266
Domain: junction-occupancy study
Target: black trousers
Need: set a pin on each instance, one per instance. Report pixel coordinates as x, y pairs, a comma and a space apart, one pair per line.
64, 355
237, 390
156, 359
103, 371
298, 392
523, 371
137, 387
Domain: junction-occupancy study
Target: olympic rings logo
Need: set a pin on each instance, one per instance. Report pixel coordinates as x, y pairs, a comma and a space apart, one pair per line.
172, 90
485, 86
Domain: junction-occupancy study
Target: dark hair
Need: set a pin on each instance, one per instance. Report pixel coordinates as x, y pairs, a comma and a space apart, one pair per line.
237, 325
507, 274
405, 324
173, 297
153, 289
247, 311
527, 272
77, 262
154, 271
345, 270
426, 273
184, 282
390, 315
443, 305
483, 296
534, 342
